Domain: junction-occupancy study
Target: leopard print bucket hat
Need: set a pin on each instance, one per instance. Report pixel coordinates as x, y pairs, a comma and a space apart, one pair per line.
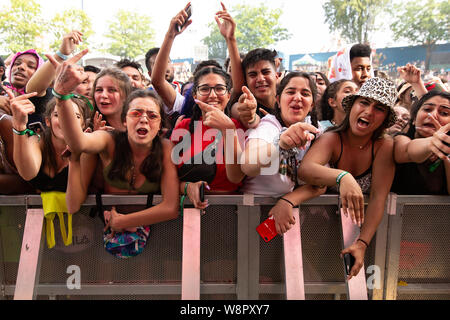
378, 89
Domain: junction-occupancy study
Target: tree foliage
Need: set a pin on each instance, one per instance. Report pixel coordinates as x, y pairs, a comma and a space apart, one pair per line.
21, 26
355, 20
256, 27
68, 20
131, 34
423, 23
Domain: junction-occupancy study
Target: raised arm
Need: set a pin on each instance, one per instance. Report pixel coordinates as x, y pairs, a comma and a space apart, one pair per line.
159, 82
67, 79
45, 75
227, 28
27, 153
411, 74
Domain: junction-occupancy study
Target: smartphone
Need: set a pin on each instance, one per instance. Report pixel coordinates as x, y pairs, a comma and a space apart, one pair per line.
349, 261
189, 14
36, 127
267, 229
202, 192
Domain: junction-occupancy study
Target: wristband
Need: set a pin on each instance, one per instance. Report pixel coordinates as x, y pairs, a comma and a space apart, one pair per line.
182, 198
253, 120
281, 198
80, 96
340, 176
27, 132
61, 55
62, 97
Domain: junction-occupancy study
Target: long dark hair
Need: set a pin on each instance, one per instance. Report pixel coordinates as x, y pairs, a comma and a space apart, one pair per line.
196, 112
122, 163
330, 92
284, 83
418, 104
48, 152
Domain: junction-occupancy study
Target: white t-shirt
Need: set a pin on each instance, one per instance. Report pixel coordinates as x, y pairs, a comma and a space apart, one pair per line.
177, 105
274, 184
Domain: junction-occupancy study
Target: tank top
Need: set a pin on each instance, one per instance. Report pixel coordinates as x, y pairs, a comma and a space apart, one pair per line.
364, 180
145, 188
45, 183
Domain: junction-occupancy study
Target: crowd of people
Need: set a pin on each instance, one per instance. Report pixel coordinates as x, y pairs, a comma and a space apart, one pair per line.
243, 128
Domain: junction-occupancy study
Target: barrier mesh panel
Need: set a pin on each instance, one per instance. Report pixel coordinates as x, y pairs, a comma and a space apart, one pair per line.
424, 254
12, 223
160, 260
218, 252
321, 246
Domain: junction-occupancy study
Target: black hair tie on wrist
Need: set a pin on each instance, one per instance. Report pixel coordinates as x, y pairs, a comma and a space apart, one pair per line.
359, 239
281, 198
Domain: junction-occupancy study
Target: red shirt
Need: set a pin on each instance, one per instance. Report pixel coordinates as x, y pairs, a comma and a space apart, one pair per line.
203, 136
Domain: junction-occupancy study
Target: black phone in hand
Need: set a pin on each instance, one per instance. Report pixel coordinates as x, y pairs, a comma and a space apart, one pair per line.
189, 14
349, 261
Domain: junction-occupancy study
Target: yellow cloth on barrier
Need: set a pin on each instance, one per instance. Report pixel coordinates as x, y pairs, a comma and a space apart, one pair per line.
54, 202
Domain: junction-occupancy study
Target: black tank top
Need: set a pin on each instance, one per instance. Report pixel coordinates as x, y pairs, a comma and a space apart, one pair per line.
44, 183
364, 179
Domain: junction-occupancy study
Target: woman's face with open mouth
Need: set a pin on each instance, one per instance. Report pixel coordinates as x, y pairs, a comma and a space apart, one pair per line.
439, 108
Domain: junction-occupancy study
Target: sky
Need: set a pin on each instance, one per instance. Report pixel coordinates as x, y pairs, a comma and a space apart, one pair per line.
304, 19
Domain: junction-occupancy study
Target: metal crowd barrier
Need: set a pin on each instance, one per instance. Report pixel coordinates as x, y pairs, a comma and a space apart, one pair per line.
220, 255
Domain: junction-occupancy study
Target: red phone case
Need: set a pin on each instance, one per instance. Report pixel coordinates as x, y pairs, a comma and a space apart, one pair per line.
267, 229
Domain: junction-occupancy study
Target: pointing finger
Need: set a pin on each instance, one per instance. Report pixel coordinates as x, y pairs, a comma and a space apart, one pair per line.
248, 93
435, 122
203, 106
52, 60
10, 93
223, 6
242, 98
78, 56
26, 96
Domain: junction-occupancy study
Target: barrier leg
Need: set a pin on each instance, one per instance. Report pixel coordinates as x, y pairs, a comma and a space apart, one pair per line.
393, 253
254, 249
242, 253
190, 274
356, 286
293, 261
28, 273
